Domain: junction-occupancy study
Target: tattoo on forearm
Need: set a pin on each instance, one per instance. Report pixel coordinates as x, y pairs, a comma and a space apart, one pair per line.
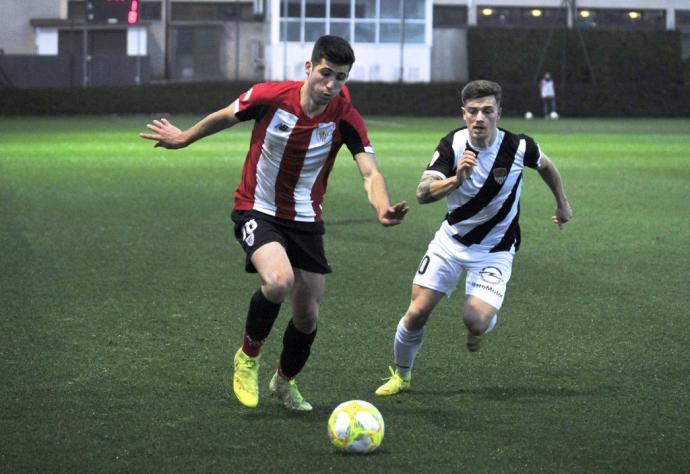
424, 190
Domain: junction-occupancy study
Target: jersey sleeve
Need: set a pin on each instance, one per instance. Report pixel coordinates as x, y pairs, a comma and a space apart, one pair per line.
253, 103
354, 131
532, 152
443, 161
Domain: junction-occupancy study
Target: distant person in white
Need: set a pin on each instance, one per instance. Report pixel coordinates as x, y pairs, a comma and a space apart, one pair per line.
548, 95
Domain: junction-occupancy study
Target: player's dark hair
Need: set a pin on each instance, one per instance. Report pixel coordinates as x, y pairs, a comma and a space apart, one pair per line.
335, 49
481, 88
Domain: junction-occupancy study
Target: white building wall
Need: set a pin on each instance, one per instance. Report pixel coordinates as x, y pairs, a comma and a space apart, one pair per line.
384, 62
375, 62
16, 33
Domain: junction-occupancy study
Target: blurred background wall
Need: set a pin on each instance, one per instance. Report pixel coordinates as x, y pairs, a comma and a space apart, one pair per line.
585, 44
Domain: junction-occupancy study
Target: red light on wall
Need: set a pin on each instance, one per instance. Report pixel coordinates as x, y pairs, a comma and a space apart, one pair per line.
133, 15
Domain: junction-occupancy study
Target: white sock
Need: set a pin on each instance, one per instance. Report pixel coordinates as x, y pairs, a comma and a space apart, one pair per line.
492, 324
405, 347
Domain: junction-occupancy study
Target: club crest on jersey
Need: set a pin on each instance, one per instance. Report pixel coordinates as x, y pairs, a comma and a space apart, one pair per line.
323, 134
500, 175
282, 127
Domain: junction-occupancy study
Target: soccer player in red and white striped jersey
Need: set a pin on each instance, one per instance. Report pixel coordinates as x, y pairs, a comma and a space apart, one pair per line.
298, 129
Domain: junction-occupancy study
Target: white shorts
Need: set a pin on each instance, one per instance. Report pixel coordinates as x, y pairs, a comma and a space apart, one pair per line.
445, 260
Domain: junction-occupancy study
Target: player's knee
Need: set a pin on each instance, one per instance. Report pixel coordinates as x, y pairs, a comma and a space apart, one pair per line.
306, 323
416, 318
277, 286
477, 322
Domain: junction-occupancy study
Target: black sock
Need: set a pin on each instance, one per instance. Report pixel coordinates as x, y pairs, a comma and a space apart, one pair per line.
296, 350
260, 318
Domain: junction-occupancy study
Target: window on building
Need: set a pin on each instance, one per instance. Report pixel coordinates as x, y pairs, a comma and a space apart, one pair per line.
340, 9
151, 11
210, 11
315, 8
521, 17
76, 10
683, 19
391, 9
363, 21
294, 8
617, 18
365, 9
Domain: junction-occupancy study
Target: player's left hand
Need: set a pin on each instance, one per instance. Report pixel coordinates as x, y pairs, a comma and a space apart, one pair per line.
165, 134
394, 214
562, 215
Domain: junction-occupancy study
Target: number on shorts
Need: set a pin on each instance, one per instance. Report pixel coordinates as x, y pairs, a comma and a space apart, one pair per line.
248, 232
423, 265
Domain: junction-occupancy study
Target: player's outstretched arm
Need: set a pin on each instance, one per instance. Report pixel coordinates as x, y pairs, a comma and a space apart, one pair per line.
552, 177
167, 135
377, 192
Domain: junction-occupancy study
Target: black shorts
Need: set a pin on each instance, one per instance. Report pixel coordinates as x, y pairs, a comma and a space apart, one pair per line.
303, 241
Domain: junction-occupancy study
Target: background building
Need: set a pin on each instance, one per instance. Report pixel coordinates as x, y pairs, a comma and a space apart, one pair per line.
65, 43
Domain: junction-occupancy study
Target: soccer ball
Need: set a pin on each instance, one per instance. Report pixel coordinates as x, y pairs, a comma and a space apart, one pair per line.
529, 115
554, 115
356, 426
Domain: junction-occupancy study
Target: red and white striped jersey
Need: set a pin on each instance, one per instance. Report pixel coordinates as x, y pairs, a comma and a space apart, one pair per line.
291, 155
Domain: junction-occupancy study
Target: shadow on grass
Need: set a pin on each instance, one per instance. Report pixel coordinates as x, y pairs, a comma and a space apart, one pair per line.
334, 222
515, 393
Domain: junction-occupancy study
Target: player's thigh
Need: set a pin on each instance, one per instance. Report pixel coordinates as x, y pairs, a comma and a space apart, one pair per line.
487, 279
439, 270
476, 309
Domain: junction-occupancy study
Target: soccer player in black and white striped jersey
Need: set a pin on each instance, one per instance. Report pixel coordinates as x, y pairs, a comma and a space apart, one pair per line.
478, 168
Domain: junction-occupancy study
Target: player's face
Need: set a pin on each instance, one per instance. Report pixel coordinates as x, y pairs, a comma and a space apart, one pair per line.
325, 80
481, 116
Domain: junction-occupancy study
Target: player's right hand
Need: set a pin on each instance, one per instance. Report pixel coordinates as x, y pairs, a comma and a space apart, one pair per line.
166, 134
467, 162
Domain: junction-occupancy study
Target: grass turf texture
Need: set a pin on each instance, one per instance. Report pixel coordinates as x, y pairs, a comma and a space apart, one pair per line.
123, 300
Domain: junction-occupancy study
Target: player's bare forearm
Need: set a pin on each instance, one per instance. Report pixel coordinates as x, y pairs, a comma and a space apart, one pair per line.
552, 177
432, 188
166, 135
212, 123
377, 192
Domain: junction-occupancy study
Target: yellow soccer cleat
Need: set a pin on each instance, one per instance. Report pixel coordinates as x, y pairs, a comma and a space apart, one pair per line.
396, 384
288, 393
245, 380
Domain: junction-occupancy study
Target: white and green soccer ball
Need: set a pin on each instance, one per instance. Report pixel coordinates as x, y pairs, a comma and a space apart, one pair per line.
356, 426
529, 115
553, 115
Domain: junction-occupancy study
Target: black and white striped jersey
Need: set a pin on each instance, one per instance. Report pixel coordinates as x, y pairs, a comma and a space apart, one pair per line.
484, 211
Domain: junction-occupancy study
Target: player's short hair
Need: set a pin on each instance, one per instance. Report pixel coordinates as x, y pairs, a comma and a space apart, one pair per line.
481, 88
335, 49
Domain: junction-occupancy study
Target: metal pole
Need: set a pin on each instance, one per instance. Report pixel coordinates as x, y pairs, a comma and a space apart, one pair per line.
238, 10
166, 40
281, 22
402, 43
85, 58
137, 78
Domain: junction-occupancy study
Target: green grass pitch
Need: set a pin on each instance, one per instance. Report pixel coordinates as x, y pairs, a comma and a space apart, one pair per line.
123, 298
